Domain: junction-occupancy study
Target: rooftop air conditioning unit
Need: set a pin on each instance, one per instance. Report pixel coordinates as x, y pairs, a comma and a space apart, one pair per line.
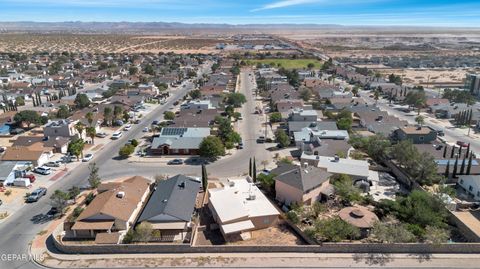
120, 194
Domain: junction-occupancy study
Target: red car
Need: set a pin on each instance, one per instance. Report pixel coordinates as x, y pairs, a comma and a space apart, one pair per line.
31, 177
462, 144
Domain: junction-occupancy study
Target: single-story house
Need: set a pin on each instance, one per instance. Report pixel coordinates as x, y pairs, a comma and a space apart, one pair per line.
24, 154
57, 144
178, 141
171, 206
113, 210
240, 207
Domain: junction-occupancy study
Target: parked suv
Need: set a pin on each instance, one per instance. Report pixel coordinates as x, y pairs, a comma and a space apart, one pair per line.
43, 170
36, 195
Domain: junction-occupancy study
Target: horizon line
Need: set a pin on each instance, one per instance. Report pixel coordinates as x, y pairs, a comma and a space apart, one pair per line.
250, 24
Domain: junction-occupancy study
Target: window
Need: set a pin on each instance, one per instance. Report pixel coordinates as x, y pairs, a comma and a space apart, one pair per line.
421, 138
266, 220
470, 188
478, 193
461, 181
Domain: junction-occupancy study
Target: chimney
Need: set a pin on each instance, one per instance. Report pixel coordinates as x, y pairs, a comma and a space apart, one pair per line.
337, 159
305, 165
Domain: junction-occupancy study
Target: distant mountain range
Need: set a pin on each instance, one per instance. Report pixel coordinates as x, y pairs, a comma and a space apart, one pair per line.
135, 26
148, 27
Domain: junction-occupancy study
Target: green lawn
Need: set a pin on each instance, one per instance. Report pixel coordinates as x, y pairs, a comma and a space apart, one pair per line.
288, 63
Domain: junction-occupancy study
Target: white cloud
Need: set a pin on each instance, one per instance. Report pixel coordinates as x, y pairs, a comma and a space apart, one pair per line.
285, 3
288, 3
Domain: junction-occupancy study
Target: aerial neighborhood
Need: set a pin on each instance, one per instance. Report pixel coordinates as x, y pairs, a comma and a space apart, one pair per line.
149, 152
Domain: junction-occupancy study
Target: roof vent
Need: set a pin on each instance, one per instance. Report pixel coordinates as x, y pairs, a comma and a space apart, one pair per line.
231, 183
165, 200
120, 194
182, 185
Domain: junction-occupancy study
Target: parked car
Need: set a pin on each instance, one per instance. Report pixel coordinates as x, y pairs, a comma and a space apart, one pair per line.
53, 164
137, 121
261, 139
87, 157
116, 135
101, 135
176, 103
118, 123
175, 161
31, 177
146, 129
53, 212
36, 195
43, 170
240, 145
155, 122
1, 202
127, 127
462, 144
69, 158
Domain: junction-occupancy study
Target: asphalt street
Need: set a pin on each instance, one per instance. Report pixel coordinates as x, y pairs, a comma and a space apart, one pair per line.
451, 134
19, 229
237, 164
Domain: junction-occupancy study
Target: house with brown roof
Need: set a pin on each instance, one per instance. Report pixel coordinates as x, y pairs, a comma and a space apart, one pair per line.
113, 211
37, 157
212, 89
285, 106
416, 134
54, 144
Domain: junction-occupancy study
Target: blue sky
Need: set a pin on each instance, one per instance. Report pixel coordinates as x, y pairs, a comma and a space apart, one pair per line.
345, 12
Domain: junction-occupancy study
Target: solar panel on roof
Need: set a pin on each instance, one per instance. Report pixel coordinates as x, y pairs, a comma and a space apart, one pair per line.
173, 131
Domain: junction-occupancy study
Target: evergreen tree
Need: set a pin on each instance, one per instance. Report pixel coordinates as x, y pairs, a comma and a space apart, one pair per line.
250, 167
447, 169
204, 178
469, 166
454, 173
462, 168
254, 176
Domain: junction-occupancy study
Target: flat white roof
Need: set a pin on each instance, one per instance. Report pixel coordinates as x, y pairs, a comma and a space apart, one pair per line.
240, 199
237, 226
342, 166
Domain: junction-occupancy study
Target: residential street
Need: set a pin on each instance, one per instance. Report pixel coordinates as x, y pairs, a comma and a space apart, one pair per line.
249, 128
18, 230
452, 135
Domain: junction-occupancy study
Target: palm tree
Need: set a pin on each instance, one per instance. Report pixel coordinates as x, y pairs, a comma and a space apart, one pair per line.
80, 127
420, 120
91, 132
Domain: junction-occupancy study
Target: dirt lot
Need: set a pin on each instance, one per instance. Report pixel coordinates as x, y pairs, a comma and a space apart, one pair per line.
92, 43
